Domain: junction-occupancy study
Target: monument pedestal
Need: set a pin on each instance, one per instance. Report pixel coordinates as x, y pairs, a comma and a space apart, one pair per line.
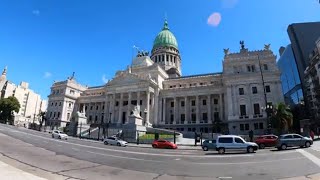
134, 127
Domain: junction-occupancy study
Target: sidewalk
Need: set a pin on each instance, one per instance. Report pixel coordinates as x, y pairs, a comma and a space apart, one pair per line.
181, 147
9, 172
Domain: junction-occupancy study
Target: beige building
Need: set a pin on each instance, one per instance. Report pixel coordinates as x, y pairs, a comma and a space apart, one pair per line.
234, 99
31, 103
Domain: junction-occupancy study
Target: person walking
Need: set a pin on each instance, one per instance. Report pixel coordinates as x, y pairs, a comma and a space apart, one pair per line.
251, 135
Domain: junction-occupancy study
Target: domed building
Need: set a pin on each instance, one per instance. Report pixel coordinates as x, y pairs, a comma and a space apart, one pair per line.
232, 101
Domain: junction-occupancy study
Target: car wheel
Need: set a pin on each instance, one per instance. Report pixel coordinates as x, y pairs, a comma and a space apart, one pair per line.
283, 146
205, 148
154, 146
59, 137
262, 146
118, 144
250, 149
221, 151
105, 143
307, 144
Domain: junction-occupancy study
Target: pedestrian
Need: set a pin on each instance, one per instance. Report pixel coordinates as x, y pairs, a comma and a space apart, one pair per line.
312, 135
251, 135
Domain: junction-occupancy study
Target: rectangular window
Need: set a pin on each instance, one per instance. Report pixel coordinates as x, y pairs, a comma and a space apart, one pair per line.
193, 103
243, 110
182, 103
102, 107
246, 127
97, 107
216, 116
241, 127
172, 104
215, 101
253, 69
95, 118
225, 140
260, 125
91, 107
265, 67
134, 102
171, 118
256, 126
204, 102
256, 108
205, 116
90, 118
268, 89
68, 116
58, 114
117, 103
182, 118
254, 90
241, 91
125, 103
193, 118
140, 102
248, 68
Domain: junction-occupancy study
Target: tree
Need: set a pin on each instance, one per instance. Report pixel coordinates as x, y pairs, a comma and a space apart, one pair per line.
282, 118
41, 119
7, 107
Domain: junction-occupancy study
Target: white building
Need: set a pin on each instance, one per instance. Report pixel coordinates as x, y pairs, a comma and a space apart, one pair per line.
234, 98
31, 103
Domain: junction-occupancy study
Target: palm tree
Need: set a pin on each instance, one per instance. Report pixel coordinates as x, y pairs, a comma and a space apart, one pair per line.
282, 117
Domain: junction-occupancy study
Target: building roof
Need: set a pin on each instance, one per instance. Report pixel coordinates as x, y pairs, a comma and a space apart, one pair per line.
165, 38
95, 87
197, 75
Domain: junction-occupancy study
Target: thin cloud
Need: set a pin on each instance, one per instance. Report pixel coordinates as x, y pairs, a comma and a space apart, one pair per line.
229, 3
104, 78
36, 12
214, 19
47, 75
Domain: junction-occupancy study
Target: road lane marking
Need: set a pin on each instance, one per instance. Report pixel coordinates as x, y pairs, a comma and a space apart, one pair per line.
122, 157
250, 162
310, 156
222, 178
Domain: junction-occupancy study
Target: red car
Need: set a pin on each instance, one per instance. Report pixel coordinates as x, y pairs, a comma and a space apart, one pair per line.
164, 144
266, 141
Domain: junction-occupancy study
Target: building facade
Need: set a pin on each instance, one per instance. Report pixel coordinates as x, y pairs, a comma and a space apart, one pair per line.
235, 98
31, 103
312, 81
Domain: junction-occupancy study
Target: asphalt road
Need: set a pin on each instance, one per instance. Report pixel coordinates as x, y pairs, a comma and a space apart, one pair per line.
82, 159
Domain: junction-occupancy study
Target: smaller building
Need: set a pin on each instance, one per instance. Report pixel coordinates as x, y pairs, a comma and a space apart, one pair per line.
31, 103
312, 81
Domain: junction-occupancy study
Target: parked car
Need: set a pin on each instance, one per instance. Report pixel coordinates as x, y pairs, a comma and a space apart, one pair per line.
293, 140
59, 135
209, 144
266, 141
234, 143
115, 141
164, 144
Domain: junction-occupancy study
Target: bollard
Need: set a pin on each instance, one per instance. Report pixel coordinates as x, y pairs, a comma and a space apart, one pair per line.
174, 137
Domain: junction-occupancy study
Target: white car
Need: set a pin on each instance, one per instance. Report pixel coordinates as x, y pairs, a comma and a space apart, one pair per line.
59, 135
114, 141
234, 143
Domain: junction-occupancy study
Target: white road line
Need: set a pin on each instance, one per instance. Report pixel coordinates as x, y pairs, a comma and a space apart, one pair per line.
251, 162
310, 156
224, 178
122, 157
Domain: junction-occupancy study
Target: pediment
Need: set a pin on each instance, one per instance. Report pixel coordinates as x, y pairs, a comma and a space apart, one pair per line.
127, 78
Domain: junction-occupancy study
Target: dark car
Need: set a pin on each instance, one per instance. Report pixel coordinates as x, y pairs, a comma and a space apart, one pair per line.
164, 144
293, 140
209, 144
266, 141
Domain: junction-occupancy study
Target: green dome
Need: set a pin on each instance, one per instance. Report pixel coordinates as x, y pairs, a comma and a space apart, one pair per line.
165, 38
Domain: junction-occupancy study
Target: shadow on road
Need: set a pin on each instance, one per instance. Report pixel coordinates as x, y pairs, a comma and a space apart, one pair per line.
228, 153
288, 149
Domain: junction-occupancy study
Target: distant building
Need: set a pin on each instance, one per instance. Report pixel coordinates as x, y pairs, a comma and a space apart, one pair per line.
312, 81
31, 103
291, 83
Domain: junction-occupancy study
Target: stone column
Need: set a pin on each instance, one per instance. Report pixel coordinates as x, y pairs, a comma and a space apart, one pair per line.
175, 109
164, 109
220, 106
209, 109
128, 107
148, 107
113, 109
106, 112
186, 106
197, 110
156, 109
120, 109
138, 98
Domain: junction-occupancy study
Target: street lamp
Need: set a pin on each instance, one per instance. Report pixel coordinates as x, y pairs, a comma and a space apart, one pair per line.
269, 110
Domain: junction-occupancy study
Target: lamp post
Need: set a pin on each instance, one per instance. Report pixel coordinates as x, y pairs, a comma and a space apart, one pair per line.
269, 110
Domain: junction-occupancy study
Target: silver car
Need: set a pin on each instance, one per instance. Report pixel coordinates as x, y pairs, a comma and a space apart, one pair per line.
234, 143
114, 141
293, 140
59, 135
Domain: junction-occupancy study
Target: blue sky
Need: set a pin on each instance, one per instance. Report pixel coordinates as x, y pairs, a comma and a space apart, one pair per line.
46, 40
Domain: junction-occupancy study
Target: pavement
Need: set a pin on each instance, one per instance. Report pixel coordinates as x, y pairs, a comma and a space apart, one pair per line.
38, 154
